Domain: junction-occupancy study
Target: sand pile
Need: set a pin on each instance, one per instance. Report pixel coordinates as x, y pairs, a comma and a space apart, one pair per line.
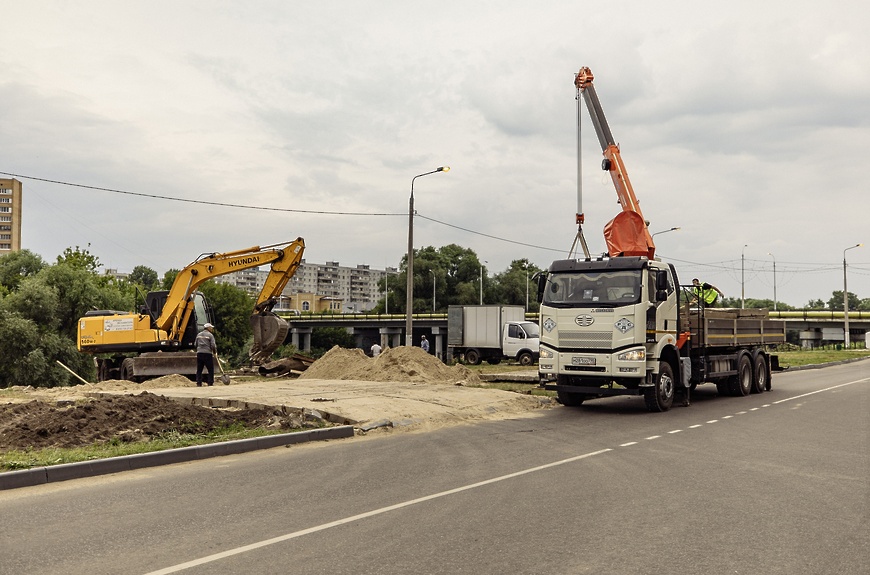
395, 364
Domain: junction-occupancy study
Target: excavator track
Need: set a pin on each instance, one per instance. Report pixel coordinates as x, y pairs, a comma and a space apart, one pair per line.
270, 332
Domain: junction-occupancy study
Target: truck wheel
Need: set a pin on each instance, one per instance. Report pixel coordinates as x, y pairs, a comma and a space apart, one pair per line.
103, 369
759, 381
741, 384
525, 358
472, 356
493, 360
661, 396
571, 399
127, 369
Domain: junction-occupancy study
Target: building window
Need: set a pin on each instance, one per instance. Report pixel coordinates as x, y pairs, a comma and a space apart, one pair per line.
306, 306
5, 209
5, 200
5, 191
5, 218
5, 246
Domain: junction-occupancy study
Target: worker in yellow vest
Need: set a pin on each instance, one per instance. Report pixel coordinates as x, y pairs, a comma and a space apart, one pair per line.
704, 292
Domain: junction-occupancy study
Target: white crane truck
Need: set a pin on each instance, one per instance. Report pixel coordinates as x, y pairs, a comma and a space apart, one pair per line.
621, 324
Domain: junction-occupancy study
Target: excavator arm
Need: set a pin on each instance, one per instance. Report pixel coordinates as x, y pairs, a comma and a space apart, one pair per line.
268, 332
627, 234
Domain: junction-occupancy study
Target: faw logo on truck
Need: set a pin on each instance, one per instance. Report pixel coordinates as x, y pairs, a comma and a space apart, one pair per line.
247, 260
584, 320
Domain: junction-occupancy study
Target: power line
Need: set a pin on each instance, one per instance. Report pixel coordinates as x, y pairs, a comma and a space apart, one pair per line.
726, 266
202, 202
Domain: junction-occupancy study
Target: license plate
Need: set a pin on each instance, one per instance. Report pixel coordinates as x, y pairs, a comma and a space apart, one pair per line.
582, 361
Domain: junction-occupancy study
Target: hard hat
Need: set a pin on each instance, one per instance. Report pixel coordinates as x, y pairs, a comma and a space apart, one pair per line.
208, 326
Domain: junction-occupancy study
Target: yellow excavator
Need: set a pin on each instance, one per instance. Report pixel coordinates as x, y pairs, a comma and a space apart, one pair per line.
159, 339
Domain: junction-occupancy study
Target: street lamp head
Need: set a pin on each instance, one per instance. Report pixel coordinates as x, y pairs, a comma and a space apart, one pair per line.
851, 248
443, 169
666, 231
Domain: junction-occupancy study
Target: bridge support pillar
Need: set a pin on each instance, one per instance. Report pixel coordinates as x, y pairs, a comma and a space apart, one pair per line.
438, 333
390, 336
300, 338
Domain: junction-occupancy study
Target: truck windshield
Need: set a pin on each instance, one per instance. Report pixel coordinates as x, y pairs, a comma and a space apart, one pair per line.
531, 329
593, 288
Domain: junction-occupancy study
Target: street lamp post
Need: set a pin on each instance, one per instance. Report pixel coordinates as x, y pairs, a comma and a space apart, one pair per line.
386, 294
742, 283
527, 286
665, 231
481, 281
409, 301
774, 279
433, 290
846, 298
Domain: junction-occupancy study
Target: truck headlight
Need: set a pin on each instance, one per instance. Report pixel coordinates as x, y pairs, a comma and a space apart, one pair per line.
633, 355
546, 353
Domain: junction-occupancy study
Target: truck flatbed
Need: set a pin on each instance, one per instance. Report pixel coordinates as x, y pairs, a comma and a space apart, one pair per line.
732, 327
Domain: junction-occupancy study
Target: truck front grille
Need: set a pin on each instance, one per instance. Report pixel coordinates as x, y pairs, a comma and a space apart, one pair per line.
586, 339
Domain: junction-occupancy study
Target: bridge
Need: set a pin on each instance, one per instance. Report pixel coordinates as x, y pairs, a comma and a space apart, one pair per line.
814, 327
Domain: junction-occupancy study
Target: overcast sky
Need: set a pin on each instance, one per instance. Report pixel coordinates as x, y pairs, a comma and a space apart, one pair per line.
743, 123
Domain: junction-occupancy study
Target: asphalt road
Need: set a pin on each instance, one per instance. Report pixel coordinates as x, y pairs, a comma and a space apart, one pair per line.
771, 484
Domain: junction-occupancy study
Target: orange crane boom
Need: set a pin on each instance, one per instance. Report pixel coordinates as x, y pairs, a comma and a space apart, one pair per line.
627, 234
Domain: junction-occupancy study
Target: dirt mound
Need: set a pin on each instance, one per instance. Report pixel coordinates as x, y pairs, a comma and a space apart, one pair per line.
37, 424
395, 364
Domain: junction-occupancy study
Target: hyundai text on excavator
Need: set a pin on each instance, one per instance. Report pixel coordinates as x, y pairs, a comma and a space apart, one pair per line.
615, 324
160, 338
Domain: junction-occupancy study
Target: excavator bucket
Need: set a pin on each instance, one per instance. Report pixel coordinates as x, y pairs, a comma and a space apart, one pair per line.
269, 333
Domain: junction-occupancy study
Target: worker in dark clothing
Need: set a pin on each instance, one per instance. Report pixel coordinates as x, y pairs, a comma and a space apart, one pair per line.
206, 349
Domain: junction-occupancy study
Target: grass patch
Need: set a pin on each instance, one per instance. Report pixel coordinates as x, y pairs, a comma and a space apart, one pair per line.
797, 358
171, 439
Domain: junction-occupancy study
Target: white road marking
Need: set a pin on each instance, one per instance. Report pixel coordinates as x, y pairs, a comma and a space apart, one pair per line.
382, 510
367, 514
821, 390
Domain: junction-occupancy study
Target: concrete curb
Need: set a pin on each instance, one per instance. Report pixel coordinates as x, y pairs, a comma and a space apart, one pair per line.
63, 472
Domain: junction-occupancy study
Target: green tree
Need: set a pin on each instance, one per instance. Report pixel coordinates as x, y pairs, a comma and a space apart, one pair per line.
169, 279
457, 280
35, 301
815, 304
515, 284
836, 301
752, 303
79, 258
16, 266
145, 277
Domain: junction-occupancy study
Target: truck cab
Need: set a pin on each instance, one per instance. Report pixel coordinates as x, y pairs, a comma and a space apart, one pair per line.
607, 324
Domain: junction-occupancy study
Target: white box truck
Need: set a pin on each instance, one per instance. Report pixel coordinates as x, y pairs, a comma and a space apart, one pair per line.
492, 333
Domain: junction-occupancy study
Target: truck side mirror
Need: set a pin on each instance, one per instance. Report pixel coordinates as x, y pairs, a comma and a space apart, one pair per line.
661, 282
541, 278
661, 295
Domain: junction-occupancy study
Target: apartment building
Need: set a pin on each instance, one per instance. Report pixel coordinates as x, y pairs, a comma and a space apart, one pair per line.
10, 216
328, 286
